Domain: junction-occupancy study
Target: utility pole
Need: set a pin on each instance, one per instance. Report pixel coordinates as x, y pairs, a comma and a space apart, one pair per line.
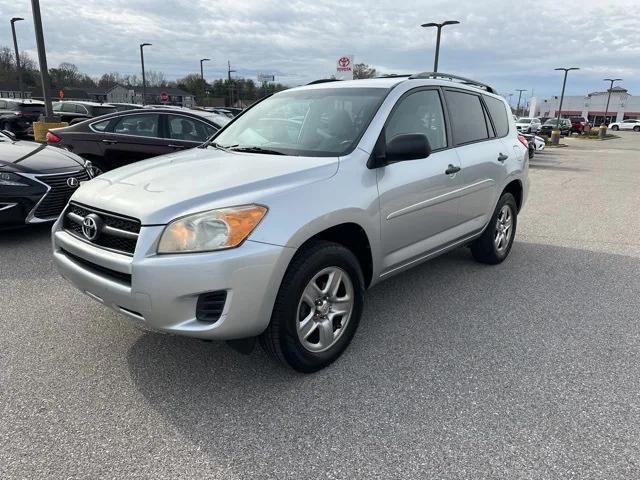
519, 98
15, 46
42, 60
439, 27
202, 69
606, 111
144, 80
229, 72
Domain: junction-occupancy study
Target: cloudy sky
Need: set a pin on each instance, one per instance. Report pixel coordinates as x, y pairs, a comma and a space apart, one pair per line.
497, 42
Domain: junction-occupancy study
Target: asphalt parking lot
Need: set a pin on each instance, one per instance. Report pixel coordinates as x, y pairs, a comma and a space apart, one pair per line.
530, 369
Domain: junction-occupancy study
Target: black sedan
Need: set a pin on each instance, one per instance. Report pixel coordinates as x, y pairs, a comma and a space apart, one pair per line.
121, 138
36, 181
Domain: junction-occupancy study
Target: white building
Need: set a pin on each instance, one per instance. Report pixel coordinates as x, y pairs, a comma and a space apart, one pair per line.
592, 106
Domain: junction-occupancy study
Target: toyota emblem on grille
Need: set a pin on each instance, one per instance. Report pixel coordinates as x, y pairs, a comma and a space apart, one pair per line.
73, 182
91, 226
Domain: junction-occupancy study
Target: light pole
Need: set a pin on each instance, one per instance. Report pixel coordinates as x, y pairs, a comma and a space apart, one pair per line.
42, 59
201, 69
144, 81
229, 72
519, 98
612, 80
439, 27
555, 139
15, 46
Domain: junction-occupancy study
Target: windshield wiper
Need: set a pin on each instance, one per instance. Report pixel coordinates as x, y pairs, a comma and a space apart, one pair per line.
216, 145
255, 149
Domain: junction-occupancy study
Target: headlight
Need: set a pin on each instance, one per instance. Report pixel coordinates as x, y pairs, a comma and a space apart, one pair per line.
12, 180
212, 230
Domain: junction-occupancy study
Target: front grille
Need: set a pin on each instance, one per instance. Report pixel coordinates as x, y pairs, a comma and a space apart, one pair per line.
59, 194
210, 306
118, 233
99, 269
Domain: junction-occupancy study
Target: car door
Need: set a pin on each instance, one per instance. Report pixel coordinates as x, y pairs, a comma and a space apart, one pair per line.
418, 202
185, 131
482, 155
133, 137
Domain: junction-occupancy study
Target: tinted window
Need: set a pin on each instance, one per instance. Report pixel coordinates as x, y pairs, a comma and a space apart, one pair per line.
69, 107
100, 126
467, 117
81, 109
498, 113
57, 107
97, 111
142, 125
420, 112
189, 129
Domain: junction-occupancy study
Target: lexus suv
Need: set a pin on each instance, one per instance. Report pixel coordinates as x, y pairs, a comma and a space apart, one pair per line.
273, 229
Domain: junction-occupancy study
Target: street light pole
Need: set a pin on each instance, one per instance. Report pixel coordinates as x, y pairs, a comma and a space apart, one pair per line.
612, 80
566, 71
15, 46
229, 72
144, 80
519, 98
42, 59
439, 27
202, 69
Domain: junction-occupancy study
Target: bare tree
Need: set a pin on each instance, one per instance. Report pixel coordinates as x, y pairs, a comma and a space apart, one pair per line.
362, 70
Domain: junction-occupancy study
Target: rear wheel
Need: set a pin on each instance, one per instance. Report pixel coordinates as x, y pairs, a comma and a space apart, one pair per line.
97, 167
317, 309
494, 245
615, 128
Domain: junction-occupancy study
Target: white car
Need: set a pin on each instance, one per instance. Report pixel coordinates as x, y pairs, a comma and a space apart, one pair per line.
528, 125
630, 124
539, 143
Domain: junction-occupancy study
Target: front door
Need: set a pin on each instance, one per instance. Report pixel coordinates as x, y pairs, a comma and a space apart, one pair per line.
185, 132
132, 138
418, 200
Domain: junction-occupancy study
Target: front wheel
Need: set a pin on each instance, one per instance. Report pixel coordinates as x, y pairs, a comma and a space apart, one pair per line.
494, 245
317, 309
635, 129
615, 128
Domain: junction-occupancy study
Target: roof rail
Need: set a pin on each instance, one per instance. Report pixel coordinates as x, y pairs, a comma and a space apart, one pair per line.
324, 80
394, 75
453, 78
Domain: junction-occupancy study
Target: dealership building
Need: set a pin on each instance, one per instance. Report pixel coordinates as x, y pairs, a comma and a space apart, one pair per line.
592, 106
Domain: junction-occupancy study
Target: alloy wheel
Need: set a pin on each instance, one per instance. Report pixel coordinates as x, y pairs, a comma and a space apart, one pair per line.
504, 229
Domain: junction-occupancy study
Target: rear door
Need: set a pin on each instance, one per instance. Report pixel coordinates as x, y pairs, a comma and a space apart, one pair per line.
480, 152
184, 132
133, 137
418, 200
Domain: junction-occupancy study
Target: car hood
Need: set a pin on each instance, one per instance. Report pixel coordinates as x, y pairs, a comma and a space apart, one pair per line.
32, 157
160, 189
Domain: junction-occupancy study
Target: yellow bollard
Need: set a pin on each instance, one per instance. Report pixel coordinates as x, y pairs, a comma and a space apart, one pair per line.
40, 129
555, 137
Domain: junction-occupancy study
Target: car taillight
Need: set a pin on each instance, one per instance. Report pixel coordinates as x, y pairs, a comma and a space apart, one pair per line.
523, 141
52, 138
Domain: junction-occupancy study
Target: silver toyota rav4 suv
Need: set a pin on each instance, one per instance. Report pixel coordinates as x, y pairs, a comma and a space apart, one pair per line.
274, 229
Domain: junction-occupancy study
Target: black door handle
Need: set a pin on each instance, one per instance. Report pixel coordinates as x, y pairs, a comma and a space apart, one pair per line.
502, 157
451, 169
109, 142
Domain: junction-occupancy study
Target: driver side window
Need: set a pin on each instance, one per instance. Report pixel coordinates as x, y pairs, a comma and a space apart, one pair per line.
419, 112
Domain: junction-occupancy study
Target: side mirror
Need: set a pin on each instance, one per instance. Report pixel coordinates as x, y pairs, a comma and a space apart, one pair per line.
409, 146
11, 135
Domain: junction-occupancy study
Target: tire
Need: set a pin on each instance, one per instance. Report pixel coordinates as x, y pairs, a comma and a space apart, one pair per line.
311, 348
7, 126
97, 166
615, 128
486, 249
635, 129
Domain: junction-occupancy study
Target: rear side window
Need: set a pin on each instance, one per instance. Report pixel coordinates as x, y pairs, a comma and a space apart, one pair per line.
498, 114
467, 117
101, 126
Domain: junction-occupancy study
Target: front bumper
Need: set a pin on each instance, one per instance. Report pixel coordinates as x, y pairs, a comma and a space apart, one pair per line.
160, 292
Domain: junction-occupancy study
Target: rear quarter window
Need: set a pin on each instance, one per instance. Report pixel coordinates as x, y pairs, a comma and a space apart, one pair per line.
498, 113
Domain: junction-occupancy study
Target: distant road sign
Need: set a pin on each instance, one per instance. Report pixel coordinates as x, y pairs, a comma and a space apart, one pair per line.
164, 97
266, 78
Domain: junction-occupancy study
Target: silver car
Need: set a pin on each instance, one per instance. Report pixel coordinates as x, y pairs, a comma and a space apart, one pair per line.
274, 229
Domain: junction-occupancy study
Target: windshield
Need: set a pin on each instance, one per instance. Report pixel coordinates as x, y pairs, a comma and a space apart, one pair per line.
524, 120
310, 122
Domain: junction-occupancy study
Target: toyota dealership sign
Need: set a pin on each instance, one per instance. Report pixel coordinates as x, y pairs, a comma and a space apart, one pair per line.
344, 69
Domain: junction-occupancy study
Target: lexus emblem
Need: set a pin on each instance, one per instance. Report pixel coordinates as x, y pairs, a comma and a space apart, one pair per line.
91, 226
73, 182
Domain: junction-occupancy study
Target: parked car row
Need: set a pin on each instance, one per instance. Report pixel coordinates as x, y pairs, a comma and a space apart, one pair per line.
120, 138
